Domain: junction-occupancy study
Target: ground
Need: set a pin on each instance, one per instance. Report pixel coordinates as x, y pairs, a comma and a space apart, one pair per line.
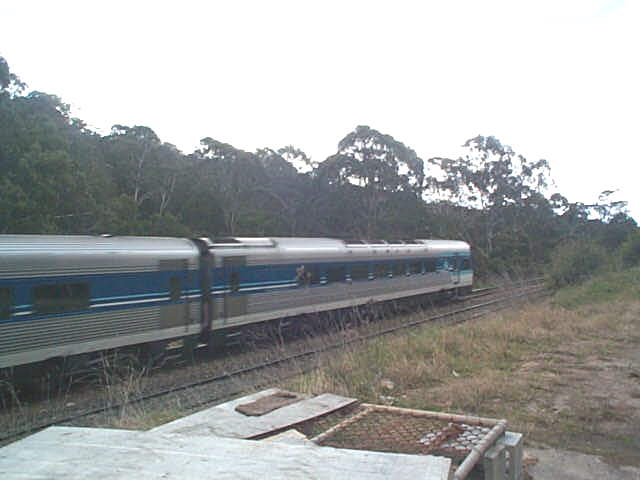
598, 399
564, 371
580, 400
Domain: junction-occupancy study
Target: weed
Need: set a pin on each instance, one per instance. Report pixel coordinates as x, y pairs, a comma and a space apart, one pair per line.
608, 287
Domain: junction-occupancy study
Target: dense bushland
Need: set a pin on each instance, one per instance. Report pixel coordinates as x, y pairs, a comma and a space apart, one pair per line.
576, 260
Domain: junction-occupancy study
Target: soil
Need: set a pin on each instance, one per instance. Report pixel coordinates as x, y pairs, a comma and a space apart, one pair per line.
597, 403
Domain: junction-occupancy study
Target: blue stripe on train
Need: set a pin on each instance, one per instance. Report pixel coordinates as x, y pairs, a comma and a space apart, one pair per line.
117, 291
138, 288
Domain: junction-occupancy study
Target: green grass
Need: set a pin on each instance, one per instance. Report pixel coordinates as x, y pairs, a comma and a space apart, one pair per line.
605, 287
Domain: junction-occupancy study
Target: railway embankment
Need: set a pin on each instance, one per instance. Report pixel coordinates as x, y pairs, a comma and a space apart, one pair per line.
564, 370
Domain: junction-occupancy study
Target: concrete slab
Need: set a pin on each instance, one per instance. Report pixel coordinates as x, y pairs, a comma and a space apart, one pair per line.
223, 420
565, 465
291, 436
78, 453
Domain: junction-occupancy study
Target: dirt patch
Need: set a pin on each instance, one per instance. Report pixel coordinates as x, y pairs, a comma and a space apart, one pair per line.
552, 464
597, 405
582, 395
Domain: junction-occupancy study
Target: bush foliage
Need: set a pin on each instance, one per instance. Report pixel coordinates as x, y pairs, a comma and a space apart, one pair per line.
576, 260
630, 250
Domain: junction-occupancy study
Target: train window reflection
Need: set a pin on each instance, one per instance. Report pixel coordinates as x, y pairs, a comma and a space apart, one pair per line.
234, 281
336, 274
61, 298
360, 271
5, 303
430, 265
175, 289
381, 270
399, 269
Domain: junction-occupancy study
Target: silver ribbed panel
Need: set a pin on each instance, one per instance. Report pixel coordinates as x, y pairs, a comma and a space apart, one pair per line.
31, 335
292, 298
194, 311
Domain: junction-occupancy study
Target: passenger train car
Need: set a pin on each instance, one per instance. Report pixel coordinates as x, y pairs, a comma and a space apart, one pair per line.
62, 296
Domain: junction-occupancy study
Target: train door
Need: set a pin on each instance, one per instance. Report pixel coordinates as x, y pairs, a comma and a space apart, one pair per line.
206, 263
235, 303
455, 274
176, 280
207, 312
454, 268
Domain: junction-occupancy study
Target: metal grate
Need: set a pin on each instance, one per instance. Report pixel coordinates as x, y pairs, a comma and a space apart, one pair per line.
372, 428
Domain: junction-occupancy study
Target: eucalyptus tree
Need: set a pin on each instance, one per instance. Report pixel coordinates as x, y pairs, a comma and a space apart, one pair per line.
238, 178
491, 177
43, 187
287, 191
10, 83
606, 221
379, 165
129, 152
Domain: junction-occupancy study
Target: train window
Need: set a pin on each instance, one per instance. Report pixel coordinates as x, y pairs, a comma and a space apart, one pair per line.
308, 275
301, 275
5, 303
399, 269
313, 275
359, 271
430, 265
336, 274
453, 263
381, 270
234, 281
175, 289
415, 268
61, 298
466, 264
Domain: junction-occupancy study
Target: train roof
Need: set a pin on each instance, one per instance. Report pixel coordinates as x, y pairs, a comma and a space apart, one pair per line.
328, 247
26, 255
89, 243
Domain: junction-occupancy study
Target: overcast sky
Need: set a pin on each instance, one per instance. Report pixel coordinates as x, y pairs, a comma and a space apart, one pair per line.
558, 80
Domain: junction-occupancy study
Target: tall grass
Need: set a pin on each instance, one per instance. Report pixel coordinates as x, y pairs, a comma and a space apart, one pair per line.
469, 367
607, 287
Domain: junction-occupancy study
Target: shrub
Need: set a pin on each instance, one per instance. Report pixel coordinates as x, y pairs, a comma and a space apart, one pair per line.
630, 250
576, 260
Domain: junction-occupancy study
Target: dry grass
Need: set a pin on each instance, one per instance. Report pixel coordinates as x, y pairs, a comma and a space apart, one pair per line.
540, 366
435, 355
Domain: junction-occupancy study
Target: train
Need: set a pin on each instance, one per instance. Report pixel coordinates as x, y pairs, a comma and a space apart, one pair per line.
64, 296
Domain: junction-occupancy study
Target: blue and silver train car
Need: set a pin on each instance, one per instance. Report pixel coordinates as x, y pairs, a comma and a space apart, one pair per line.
62, 296
262, 279
68, 295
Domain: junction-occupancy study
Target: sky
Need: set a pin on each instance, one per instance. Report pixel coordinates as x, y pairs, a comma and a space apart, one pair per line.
558, 80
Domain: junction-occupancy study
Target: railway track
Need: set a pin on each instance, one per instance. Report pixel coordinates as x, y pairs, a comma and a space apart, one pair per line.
225, 384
